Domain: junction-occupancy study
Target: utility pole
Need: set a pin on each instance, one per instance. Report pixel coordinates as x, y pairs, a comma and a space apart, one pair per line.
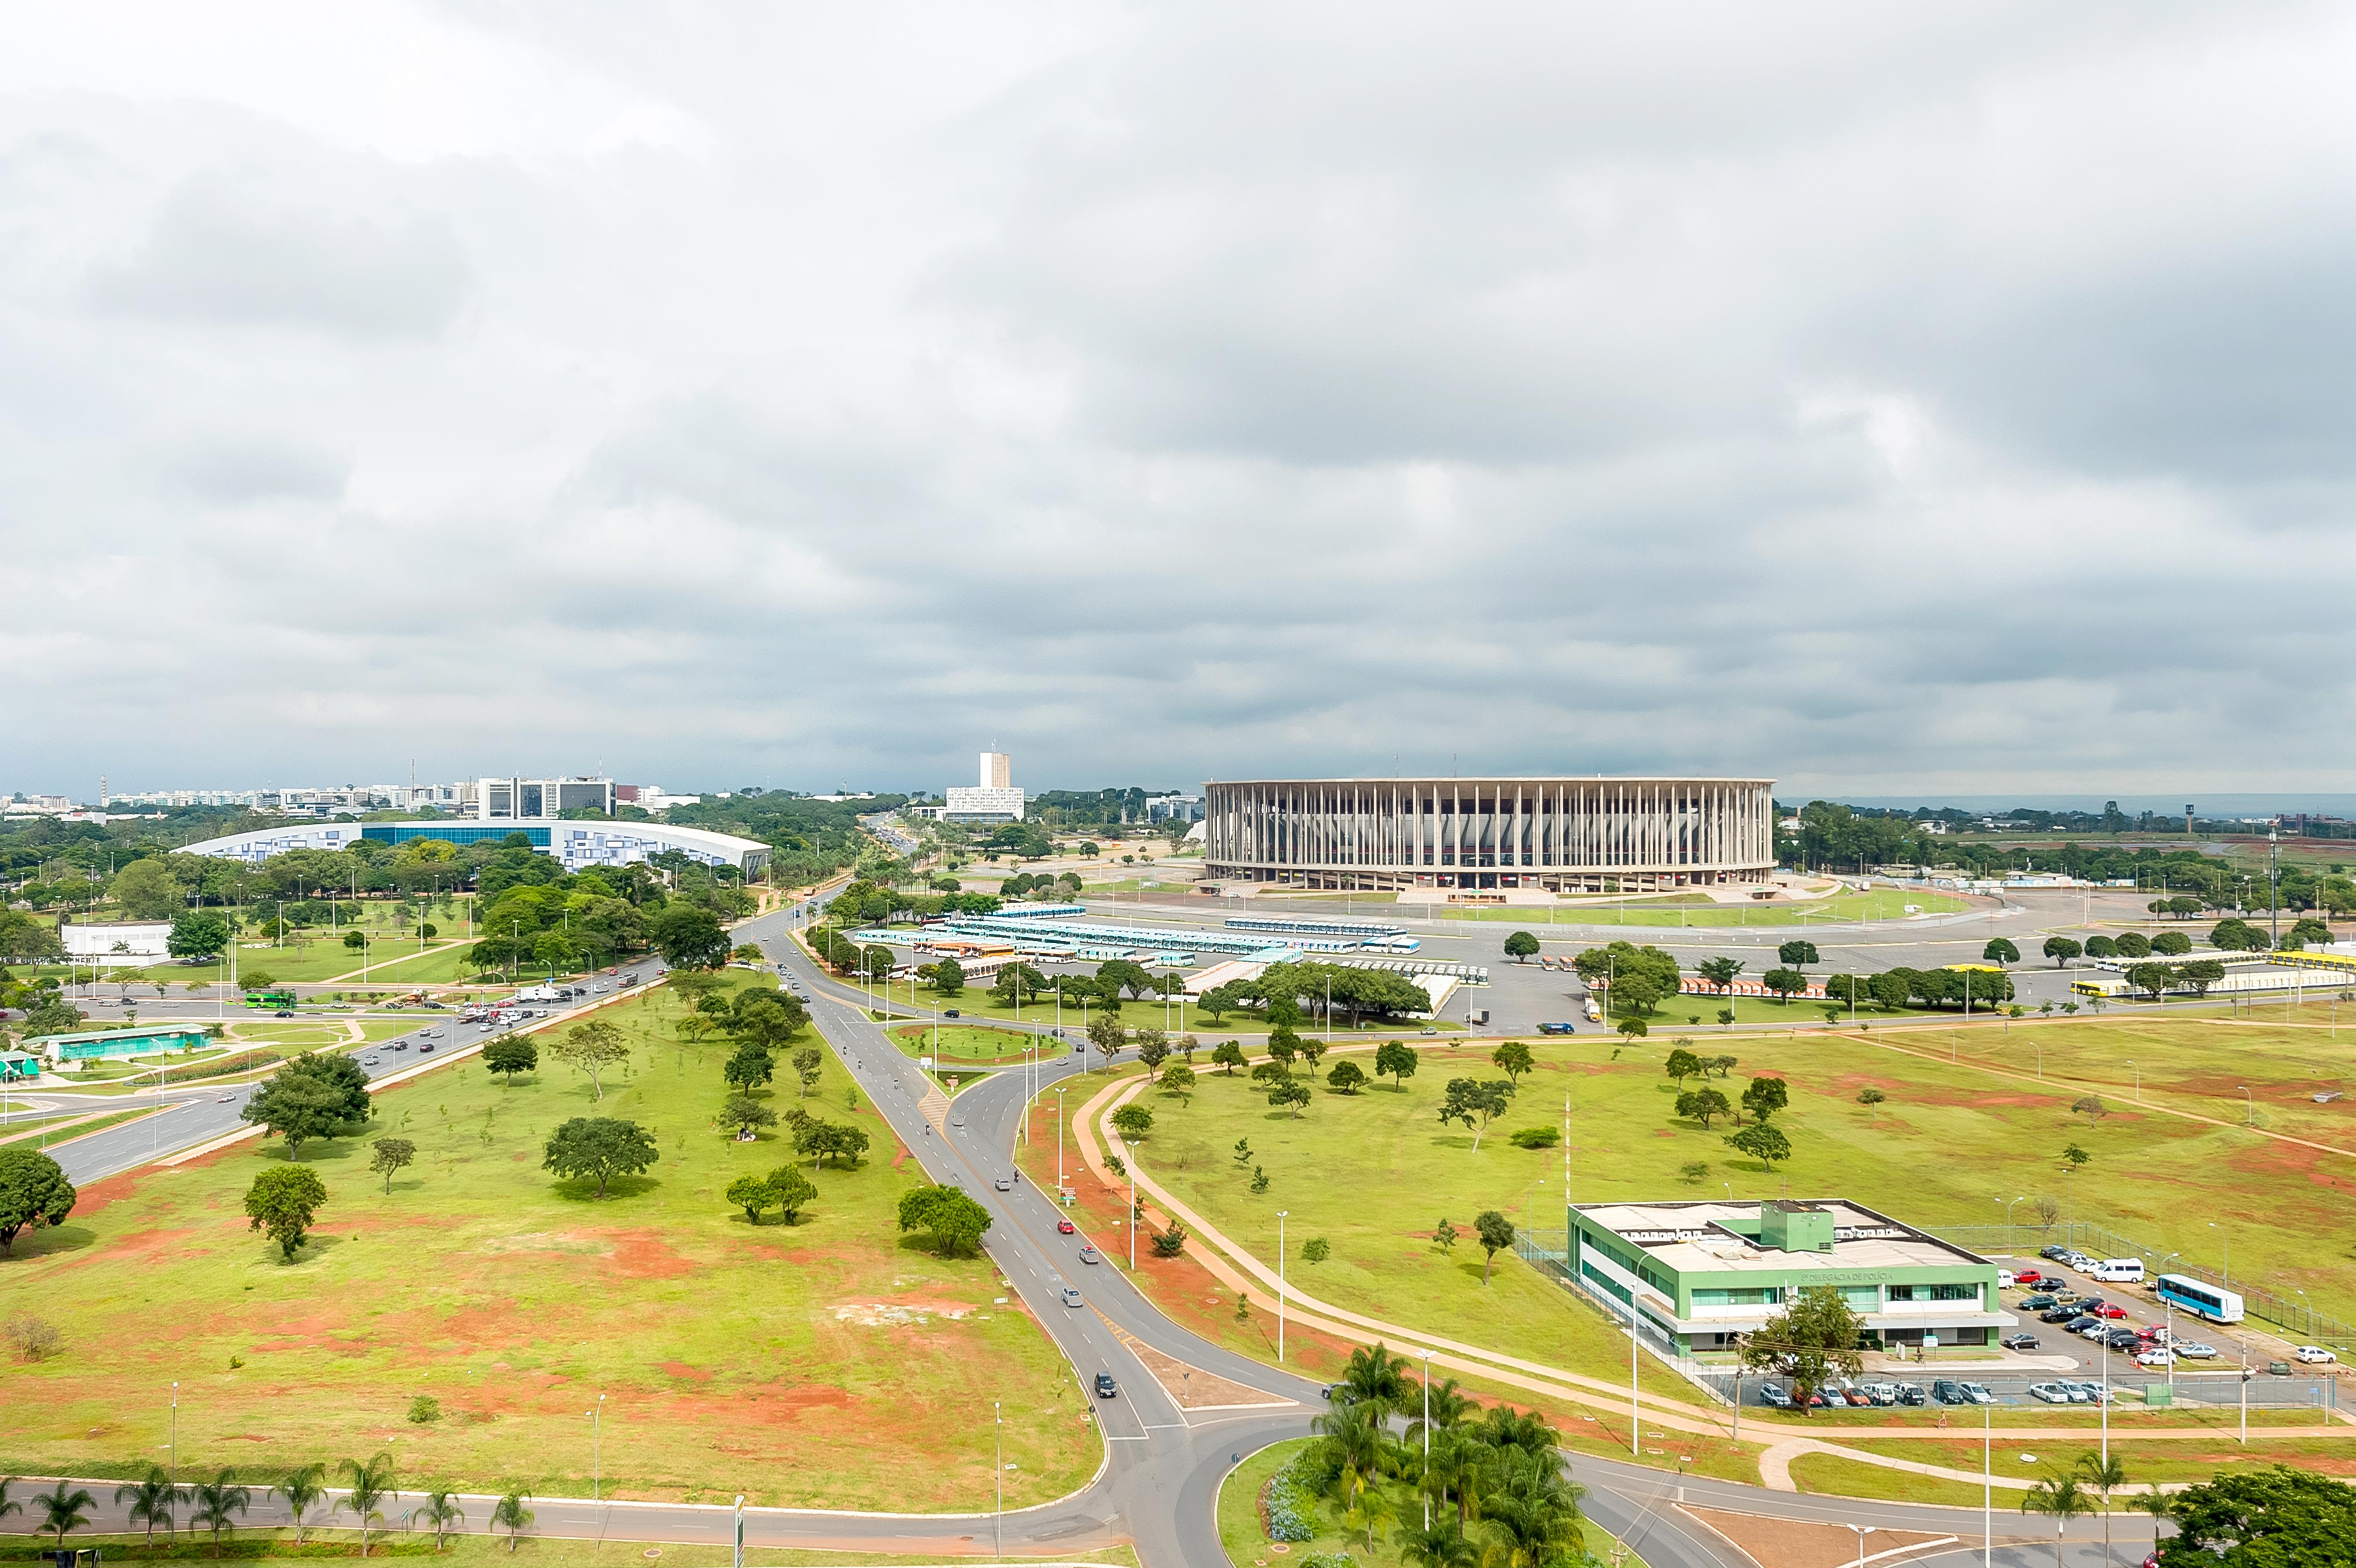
2274, 885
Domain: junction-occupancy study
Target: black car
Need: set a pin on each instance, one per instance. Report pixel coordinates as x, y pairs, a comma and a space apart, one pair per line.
2057, 1315
2039, 1302
2021, 1341
948, 1012
1946, 1390
1105, 1388
2123, 1340
2083, 1322
2053, 1254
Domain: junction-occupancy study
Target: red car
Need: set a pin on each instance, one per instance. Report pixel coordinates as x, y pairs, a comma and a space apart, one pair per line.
1064, 1227
2028, 1276
2109, 1309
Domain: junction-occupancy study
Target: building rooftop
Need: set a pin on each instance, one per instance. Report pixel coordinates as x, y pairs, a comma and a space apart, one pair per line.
1717, 1237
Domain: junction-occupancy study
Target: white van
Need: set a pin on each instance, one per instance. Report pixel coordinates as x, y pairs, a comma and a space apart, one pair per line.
2118, 1271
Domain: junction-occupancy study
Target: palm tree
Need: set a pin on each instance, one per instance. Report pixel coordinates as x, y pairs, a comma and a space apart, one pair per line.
2106, 1474
1353, 1437
1375, 1377
1450, 1407
367, 1486
439, 1511
7, 1508
303, 1487
61, 1509
1373, 1509
1506, 1427
2064, 1499
152, 1500
1442, 1545
2155, 1502
217, 1499
511, 1513
1454, 1470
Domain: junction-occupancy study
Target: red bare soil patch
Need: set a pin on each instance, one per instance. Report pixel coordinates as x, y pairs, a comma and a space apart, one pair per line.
641, 1254
681, 1369
90, 1199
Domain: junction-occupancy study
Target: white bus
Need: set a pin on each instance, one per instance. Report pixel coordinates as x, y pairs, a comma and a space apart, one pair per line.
2212, 1302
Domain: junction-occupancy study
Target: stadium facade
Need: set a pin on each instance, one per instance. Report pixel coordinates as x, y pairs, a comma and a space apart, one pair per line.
576, 843
1562, 835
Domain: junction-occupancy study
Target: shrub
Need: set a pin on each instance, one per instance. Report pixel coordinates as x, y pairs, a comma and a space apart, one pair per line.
1289, 1505
35, 1338
424, 1408
1538, 1137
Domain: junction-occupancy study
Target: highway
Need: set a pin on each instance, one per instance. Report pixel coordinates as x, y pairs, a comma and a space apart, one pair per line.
1163, 1466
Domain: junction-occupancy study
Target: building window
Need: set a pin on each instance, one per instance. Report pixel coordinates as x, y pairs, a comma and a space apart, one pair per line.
1767, 1296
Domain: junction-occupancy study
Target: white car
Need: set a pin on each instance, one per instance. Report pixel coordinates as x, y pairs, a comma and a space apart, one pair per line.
2158, 1356
2194, 1351
2313, 1355
2051, 1393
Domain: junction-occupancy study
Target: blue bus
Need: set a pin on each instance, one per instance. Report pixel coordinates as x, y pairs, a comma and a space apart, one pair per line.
2212, 1302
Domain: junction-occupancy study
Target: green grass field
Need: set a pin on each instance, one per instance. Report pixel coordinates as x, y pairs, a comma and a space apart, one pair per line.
828, 1363
1832, 1474
952, 1043
2180, 1460
472, 1550
1949, 1144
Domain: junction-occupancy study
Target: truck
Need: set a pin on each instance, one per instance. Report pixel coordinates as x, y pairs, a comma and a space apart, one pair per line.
536, 994
1594, 1011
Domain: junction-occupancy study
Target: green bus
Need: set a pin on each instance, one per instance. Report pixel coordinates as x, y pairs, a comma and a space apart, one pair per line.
269, 998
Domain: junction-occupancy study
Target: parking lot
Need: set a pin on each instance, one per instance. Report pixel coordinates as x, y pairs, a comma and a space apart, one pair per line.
2065, 1369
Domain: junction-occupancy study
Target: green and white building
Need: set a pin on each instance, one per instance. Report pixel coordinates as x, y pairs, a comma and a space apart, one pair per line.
96, 1045
1697, 1273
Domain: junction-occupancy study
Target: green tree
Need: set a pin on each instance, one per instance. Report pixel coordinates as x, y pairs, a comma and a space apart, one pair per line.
2064, 1498
1814, 1337
198, 933
2200, 974
1284, 1045
1475, 1103
1681, 1065
689, 937
441, 1511
752, 1194
748, 1067
301, 1487
1132, 1123
1397, 1059
33, 1192
321, 1094
1227, 1054
152, 1499
2171, 943
2102, 947
1316, 1250
2104, 1472
2000, 950
2061, 949
366, 1487
1513, 1059
791, 1191
1702, 1104
2077, 1157
387, 1155
1289, 1093
601, 1147
1152, 1049
1496, 1234
745, 1112
1634, 1030
2275, 1518
1521, 946
2134, 945
1221, 1000
1347, 1077
1179, 1079
592, 1047
283, 1203
146, 891
1765, 1096
511, 1514
1797, 954
509, 1054
2152, 979
216, 1502
61, 1510
1785, 983
1761, 1141
948, 977
953, 1221
1719, 972
354, 940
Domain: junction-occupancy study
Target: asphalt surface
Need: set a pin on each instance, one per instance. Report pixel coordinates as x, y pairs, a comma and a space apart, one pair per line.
1163, 1466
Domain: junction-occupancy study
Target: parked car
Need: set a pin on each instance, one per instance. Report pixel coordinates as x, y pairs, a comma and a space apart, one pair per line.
2057, 1315
1911, 1393
2039, 1302
1977, 1393
2051, 1393
1106, 1387
2079, 1261
2313, 1355
2095, 1392
2194, 1351
2027, 1277
2021, 1341
1947, 1391
1858, 1397
2123, 1340
1773, 1395
2108, 1309
2053, 1254
2092, 1329
2158, 1356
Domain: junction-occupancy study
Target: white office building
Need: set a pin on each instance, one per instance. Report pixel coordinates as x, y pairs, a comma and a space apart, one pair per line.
117, 945
995, 799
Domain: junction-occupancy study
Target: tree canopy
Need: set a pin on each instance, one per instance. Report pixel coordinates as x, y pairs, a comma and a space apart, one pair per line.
952, 1219
599, 1148
321, 1094
283, 1203
33, 1192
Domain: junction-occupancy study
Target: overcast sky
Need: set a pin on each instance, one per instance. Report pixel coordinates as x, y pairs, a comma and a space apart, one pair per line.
1887, 400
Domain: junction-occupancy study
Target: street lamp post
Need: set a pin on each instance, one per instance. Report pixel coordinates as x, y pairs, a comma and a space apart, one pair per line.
1059, 1142
1427, 1438
2249, 1106
1280, 1214
2011, 1243
998, 1420
596, 1448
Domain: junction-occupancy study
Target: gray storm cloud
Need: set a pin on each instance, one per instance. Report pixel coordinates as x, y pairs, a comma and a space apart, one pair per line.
1887, 403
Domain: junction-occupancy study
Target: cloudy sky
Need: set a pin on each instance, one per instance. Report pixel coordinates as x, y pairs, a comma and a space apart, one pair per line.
1887, 400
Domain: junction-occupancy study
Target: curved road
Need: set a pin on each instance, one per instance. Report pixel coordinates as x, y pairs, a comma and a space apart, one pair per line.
1163, 1466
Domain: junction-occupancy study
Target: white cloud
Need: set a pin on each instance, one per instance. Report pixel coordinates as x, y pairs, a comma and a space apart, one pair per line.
1864, 397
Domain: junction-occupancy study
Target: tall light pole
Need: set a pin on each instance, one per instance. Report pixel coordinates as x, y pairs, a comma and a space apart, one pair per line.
1427, 1438
1059, 1142
1987, 1486
998, 1420
176, 1430
596, 1446
2008, 1240
2249, 1106
1280, 1214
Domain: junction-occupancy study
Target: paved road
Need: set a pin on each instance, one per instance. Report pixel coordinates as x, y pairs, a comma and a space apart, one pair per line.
1163, 1466
203, 1112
